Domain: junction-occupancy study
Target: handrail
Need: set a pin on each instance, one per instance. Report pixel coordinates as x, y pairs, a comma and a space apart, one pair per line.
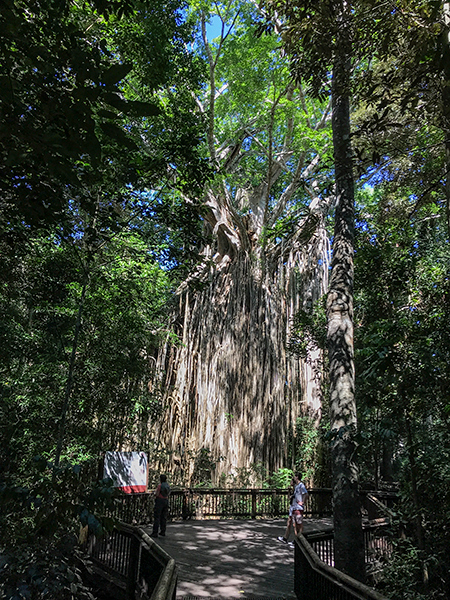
377, 545
319, 580
207, 503
134, 564
382, 508
140, 566
378, 504
166, 586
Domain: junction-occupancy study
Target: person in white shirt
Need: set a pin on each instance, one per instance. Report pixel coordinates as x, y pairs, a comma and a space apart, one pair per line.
296, 509
298, 503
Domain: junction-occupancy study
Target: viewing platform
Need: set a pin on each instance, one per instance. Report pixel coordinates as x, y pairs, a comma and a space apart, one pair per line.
223, 544
234, 559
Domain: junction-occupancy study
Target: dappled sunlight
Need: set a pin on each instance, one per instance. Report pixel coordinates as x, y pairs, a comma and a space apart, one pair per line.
233, 559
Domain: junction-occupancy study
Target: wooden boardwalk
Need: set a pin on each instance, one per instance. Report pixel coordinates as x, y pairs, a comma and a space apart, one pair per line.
233, 559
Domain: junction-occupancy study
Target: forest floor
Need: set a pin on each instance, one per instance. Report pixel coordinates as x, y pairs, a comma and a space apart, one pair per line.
233, 559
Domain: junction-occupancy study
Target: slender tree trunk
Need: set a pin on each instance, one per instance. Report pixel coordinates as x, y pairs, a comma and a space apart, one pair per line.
69, 382
446, 105
386, 464
414, 486
376, 465
418, 517
348, 535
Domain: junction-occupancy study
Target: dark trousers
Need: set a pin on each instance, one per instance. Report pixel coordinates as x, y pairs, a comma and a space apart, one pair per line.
160, 515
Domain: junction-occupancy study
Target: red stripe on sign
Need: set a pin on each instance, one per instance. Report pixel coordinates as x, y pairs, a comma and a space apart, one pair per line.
134, 489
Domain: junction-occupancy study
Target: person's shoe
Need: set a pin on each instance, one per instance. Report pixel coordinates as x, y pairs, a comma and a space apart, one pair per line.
162, 534
291, 545
280, 538
154, 535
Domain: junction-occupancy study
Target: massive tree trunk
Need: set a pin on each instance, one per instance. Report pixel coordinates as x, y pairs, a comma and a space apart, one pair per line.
234, 389
348, 535
231, 388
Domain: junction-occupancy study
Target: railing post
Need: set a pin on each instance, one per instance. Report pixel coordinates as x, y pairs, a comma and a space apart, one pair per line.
149, 508
253, 504
133, 568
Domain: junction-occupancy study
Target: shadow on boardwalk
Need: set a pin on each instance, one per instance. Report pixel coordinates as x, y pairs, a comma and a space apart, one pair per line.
233, 559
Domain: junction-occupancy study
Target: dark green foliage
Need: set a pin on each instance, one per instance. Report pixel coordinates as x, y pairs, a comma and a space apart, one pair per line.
123, 321
309, 328
43, 570
204, 465
403, 377
87, 125
40, 522
403, 574
74, 105
403, 310
97, 107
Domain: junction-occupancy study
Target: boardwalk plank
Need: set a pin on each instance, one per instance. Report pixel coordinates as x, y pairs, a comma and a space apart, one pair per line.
232, 559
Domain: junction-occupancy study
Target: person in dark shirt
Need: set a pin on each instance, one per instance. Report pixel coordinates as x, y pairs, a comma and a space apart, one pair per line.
161, 508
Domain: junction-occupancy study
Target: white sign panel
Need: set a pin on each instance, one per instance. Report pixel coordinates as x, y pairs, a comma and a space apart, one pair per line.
128, 470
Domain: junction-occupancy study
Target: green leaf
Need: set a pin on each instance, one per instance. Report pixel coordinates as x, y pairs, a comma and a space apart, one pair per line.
107, 114
142, 109
115, 100
116, 73
118, 135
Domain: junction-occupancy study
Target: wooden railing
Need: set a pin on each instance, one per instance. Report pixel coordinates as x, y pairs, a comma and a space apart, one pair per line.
221, 504
139, 566
379, 504
377, 544
318, 580
134, 509
243, 503
133, 566
210, 503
